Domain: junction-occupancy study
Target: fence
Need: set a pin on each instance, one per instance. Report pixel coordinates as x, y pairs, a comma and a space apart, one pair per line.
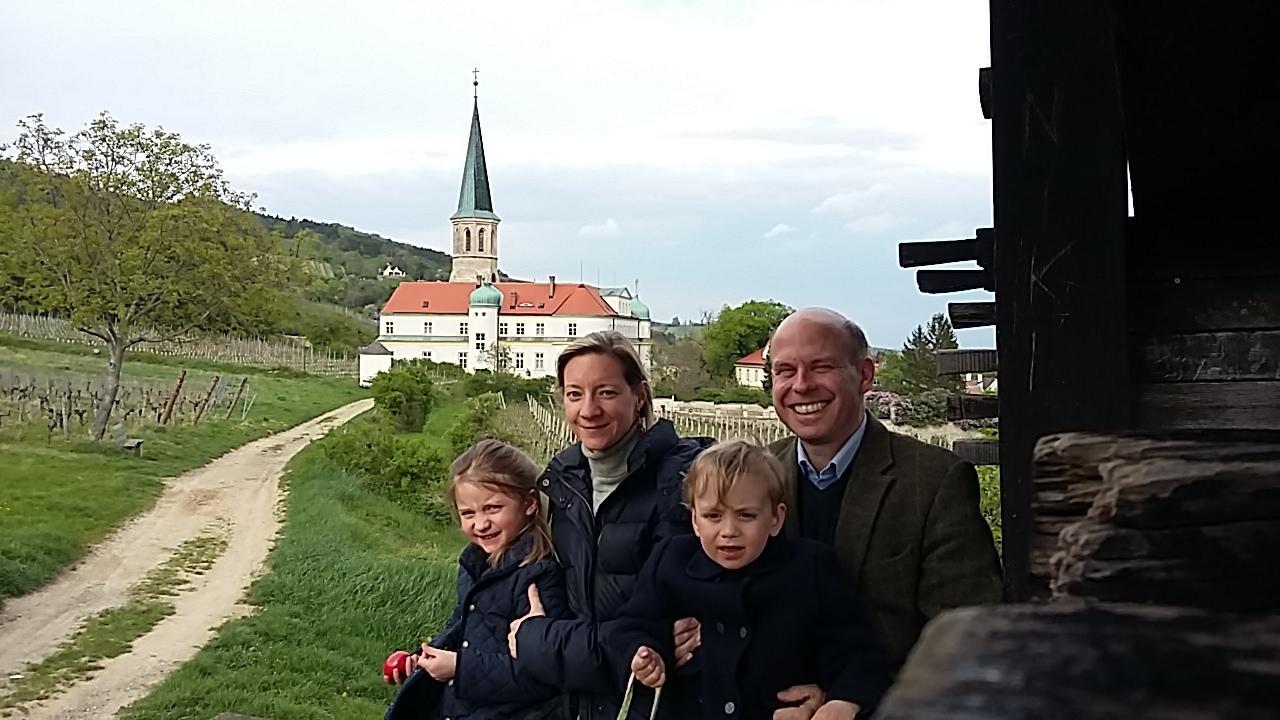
258, 352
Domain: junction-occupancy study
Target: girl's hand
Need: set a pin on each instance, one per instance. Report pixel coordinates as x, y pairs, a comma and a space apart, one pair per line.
439, 664
810, 698
837, 710
649, 668
402, 673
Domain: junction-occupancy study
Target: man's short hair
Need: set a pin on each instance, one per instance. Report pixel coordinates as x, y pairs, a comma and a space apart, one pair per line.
721, 466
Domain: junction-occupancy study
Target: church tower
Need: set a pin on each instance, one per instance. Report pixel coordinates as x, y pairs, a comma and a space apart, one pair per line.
475, 226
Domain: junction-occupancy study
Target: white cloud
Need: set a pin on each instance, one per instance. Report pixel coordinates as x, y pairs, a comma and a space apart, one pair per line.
778, 231
854, 201
609, 228
873, 224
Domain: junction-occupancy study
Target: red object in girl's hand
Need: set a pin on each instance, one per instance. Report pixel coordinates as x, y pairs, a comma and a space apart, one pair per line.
395, 661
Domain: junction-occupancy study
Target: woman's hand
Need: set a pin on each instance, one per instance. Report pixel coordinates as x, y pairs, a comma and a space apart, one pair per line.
535, 610
837, 710
439, 664
688, 635
810, 697
649, 668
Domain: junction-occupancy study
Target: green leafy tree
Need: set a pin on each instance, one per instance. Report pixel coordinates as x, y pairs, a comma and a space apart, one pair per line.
739, 331
135, 235
919, 357
891, 372
405, 392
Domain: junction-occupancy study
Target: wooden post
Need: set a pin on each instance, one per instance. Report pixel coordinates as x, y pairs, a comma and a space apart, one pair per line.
204, 402
173, 398
232, 406
1060, 206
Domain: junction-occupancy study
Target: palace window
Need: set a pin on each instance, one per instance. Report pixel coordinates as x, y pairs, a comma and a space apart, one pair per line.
520, 361
462, 359
573, 329
540, 329
426, 328
480, 342
502, 329
426, 354
388, 328
519, 328
462, 328
537, 361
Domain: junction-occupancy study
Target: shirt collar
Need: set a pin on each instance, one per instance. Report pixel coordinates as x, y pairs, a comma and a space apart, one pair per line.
825, 478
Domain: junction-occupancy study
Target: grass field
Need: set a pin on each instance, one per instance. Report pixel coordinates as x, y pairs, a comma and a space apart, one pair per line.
352, 577
59, 497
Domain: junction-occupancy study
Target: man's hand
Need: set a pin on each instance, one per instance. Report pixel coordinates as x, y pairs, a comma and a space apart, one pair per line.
439, 664
535, 610
649, 668
837, 710
809, 697
688, 635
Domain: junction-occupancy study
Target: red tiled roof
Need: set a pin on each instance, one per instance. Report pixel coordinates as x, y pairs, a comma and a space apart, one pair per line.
518, 298
755, 359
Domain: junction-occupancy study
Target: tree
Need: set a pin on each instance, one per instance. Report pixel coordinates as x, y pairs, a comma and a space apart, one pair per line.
919, 360
405, 392
135, 235
739, 331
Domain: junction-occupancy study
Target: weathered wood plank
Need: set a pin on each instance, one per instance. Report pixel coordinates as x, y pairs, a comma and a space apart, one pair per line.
959, 362
1253, 405
1183, 304
1068, 660
945, 281
971, 314
1179, 493
936, 252
978, 452
1212, 356
962, 406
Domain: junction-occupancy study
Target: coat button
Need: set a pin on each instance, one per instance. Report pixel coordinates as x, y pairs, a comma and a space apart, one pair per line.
450, 682
729, 707
545, 482
720, 628
742, 632
471, 607
466, 643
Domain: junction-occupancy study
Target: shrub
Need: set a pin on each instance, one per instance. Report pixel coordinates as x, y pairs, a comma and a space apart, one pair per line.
512, 387
405, 393
735, 394
402, 468
927, 408
989, 499
478, 422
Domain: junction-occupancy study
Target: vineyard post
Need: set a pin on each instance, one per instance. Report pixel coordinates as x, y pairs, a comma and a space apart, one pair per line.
239, 392
173, 398
204, 403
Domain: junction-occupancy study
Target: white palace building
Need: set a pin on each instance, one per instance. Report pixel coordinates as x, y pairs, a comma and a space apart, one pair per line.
479, 323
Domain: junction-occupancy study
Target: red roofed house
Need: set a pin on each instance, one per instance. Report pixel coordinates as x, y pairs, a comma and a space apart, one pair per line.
750, 370
477, 322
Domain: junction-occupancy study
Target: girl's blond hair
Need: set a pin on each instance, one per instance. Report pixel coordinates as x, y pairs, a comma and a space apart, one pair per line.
502, 468
617, 346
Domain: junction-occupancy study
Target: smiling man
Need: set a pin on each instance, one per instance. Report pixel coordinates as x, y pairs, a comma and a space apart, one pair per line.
902, 515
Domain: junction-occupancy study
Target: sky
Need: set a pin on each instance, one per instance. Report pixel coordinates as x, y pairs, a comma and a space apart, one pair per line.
716, 151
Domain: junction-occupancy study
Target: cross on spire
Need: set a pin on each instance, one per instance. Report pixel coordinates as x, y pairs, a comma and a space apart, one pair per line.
475, 83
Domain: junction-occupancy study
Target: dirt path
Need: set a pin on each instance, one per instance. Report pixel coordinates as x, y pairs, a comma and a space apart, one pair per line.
238, 493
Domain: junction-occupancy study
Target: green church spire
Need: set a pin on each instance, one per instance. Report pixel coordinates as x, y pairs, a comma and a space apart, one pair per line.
474, 201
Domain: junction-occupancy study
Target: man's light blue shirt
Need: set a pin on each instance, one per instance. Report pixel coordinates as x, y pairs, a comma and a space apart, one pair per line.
838, 465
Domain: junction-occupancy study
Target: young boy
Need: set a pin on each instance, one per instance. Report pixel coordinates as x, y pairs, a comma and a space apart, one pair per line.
775, 612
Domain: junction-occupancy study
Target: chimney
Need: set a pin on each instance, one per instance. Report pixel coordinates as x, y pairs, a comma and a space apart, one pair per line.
479, 280
515, 298
551, 289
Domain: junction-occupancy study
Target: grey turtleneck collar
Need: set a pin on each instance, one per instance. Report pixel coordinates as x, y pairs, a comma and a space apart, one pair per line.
609, 466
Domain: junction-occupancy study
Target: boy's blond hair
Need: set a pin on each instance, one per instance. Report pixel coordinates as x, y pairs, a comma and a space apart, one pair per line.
719, 467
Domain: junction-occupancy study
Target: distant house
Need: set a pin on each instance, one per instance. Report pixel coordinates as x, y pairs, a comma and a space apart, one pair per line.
979, 383
392, 271
750, 370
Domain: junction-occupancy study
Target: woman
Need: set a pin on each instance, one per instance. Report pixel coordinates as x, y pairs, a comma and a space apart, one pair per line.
613, 495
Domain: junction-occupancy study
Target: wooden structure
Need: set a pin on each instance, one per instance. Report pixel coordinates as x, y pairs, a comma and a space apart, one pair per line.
1164, 321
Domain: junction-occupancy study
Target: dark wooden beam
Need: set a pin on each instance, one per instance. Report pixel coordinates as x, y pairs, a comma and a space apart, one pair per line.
1060, 206
1209, 406
1204, 357
959, 362
963, 406
977, 249
971, 314
978, 452
984, 91
946, 281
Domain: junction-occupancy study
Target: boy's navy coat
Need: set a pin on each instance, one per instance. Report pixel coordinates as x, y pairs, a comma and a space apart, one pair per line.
602, 553
786, 619
488, 684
